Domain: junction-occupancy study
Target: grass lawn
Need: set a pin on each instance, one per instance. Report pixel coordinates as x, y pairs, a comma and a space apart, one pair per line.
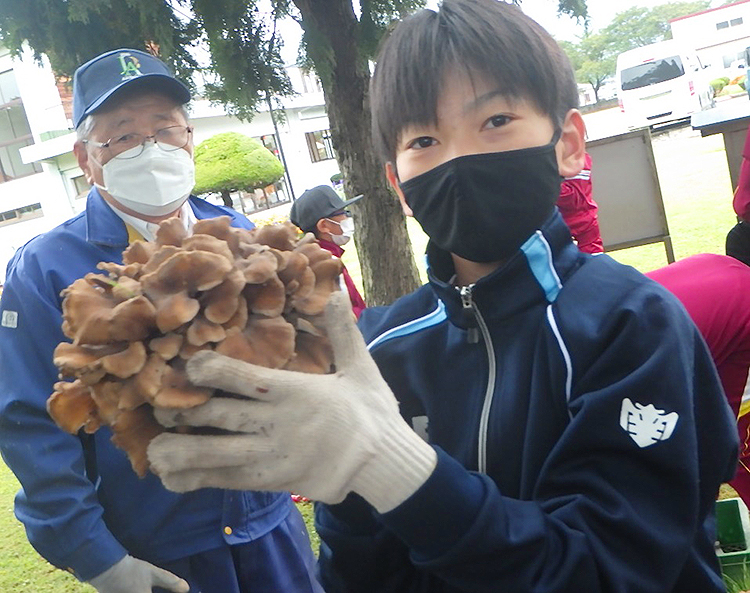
698, 201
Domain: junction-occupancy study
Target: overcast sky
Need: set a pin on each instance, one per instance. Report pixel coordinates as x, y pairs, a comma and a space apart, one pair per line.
601, 13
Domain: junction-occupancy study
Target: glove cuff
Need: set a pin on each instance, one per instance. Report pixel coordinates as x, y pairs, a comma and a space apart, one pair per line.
401, 465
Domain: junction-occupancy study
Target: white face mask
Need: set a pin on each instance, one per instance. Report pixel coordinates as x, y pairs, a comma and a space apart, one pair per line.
154, 183
347, 230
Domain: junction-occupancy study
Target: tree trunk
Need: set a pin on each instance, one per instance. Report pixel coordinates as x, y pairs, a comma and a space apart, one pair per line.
226, 198
383, 246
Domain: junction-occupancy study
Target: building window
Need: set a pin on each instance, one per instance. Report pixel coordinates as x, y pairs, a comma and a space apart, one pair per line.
269, 141
722, 25
735, 22
14, 131
81, 186
319, 145
20, 214
310, 82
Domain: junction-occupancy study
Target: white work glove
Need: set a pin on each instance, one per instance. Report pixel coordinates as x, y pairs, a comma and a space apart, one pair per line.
131, 575
321, 436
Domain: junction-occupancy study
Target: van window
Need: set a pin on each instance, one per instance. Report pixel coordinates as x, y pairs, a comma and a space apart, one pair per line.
651, 73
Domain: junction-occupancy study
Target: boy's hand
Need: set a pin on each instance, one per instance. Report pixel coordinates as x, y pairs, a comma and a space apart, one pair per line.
322, 436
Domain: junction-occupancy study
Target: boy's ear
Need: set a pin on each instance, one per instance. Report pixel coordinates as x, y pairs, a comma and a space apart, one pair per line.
392, 177
571, 148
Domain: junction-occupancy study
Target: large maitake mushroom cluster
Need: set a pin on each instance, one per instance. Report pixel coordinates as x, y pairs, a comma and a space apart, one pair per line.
257, 296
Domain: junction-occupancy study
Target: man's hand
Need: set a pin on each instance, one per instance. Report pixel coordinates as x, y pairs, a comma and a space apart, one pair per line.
322, 436
131, 575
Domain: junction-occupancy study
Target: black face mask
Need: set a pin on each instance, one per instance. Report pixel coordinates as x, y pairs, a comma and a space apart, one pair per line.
482, 207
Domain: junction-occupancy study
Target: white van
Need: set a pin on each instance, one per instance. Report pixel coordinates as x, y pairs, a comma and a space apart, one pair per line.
660, 83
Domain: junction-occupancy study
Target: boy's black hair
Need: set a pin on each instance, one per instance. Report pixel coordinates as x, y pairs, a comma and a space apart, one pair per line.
482, 37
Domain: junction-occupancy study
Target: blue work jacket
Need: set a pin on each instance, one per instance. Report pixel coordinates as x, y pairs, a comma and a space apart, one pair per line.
81, 504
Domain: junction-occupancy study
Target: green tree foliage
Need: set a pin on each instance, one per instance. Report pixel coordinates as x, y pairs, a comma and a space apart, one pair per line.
574, 8
593, 59
73, 31
230, 162
638, 26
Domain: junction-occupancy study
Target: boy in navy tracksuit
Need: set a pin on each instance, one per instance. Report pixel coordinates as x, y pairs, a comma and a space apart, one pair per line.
557, 424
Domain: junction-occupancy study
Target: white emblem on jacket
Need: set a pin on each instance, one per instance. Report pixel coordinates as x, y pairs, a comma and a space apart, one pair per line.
646, 424
10, 319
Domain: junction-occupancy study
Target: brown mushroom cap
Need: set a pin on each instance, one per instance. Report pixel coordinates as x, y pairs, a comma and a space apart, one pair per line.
126, 288
83, 362
126, 363
138, 252
92, 314
313, 252
189, 271
120, 271
326, 281
175, 310
72, 407
279, 236
177, 392
171, 232
221, 302
201, 331
220, 227
312, 354
133, 431
259, 267
148, 380
239, 319
130, 320
267, 342
266, 299
201, 242
167, 346
158, 258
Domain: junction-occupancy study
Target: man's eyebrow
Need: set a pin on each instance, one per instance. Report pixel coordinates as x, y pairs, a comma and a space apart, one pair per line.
480, 101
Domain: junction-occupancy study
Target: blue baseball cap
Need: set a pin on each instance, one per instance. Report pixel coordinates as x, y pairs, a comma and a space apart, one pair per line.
101, 78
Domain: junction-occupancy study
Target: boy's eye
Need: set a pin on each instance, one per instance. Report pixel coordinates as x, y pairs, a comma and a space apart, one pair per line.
497, 121
422, 142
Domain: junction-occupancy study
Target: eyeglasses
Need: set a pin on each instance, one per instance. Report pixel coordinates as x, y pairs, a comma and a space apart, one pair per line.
168, 139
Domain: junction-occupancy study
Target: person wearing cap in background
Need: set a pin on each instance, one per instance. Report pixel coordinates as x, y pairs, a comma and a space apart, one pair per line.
322, 212
83, 507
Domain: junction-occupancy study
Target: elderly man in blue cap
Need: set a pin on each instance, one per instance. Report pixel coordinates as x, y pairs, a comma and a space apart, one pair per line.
83, 507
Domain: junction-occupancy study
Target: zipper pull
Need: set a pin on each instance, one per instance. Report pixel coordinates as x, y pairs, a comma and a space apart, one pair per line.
472, 335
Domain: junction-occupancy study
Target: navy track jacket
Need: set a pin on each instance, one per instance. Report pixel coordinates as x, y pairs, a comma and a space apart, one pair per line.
81, 504
581, 432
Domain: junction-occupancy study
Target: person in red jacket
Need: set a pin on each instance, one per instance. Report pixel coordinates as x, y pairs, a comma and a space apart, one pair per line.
738, 238
715, 290
579, 210
323, 213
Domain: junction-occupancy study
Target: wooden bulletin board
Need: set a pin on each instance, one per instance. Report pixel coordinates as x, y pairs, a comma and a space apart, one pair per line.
626, 187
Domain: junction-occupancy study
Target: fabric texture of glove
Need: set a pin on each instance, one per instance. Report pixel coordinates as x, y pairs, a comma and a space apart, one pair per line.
131, 575
322, 436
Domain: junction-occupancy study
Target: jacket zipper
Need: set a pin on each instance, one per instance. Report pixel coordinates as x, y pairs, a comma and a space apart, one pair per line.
470, 307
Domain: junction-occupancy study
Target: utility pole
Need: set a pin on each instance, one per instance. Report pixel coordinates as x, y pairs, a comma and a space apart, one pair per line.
281, 148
